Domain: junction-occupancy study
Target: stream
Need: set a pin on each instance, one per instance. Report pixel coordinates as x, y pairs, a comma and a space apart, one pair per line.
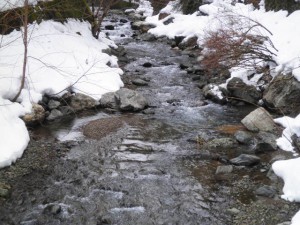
149, 169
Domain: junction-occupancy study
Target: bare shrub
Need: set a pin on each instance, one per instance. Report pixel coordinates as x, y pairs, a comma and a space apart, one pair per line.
239, 42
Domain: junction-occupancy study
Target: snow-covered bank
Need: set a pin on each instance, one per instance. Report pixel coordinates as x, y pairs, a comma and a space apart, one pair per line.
284, 34
60, 57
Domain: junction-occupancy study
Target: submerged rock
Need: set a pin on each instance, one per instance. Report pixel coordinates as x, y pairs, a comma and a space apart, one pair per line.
224, 169
245, 160
243, 137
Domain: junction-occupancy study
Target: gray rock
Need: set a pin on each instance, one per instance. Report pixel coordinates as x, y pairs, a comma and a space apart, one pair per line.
283, 95
130, 100
266, 191
221, 143
147, 64
224, 169
52, 209
266, 142
140, 82
36, 116
109, 27
147, 37
108, 100
137, 25
259, 120
233, 211
54, 114
296, 140
80, 101
52, 104
271, 175
212, 92
245, 160
243, 137
238, 89
4, 192
66, 110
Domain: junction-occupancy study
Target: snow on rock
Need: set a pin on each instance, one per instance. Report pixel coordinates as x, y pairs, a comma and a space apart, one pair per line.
61, 57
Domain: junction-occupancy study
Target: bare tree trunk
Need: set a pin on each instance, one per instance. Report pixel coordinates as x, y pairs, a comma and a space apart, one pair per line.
25, 42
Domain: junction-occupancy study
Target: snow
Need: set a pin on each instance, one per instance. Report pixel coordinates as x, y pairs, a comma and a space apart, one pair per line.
284, 34
60, 57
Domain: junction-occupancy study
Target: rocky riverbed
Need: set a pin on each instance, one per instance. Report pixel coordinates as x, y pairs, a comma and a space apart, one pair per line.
171, 163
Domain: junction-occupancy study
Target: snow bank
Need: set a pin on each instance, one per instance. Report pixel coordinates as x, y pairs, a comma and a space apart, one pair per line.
60, 57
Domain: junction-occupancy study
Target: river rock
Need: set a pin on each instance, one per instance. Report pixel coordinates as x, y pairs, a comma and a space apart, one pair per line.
37, 115
266, 191
80, 101
4, 190
137, 25
147, 64
52, 104
266, 142
52, 209
243, 137
283, 95
168, 20
66, 110
130, 100
129, 11
224, 169
148, 37
189, 43
213, 93
162, 15
245, 160
140, 82
54, 114
108, 100
233, 211
259, 120
238, 89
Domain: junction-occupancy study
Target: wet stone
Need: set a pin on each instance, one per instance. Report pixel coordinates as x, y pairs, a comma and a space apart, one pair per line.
52, 104
224, 169
52, 209
147, 64
243, 137
245, 160
233, 211
266, 191
140, 82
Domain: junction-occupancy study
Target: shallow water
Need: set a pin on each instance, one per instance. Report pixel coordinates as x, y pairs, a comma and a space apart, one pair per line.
143, 173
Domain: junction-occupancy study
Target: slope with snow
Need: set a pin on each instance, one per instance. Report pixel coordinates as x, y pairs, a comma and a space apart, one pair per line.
60, 57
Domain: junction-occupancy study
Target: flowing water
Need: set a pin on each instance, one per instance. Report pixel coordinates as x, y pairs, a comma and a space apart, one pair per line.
146, 171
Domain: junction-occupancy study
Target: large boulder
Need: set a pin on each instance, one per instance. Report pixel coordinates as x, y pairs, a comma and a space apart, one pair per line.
37, 115
108, 100
283, 95
239, 90
80, 101
259, 120
130, 100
